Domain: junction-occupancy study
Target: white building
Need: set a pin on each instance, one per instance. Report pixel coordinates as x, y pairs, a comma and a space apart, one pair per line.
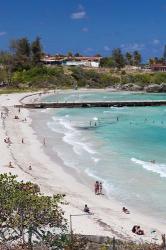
91, 62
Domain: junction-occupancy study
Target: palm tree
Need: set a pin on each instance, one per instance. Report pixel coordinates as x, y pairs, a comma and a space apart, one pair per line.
128, 57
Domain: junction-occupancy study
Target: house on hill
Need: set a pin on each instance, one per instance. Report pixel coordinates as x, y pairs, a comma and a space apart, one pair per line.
85, 61
158, 67
52, 60
82, 61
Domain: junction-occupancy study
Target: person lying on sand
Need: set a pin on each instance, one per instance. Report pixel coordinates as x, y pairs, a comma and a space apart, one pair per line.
30, 167
125, 210
10, 165
137, 230
7, 140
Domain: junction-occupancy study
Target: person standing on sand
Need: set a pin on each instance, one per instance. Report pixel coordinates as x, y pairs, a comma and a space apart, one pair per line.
44, 141
96, 187
100, 188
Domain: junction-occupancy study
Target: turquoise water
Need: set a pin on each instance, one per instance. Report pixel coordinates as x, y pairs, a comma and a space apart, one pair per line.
105, 96
116, 145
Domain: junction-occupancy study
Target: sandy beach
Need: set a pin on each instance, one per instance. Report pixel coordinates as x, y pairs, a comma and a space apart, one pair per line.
107, 219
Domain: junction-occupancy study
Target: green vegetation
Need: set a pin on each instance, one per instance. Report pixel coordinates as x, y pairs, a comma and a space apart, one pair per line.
40, 77
21, 70
28, 217
118, 60
30, 220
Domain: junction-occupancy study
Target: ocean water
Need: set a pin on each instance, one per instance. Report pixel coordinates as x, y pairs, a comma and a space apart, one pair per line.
104, 96
116, 146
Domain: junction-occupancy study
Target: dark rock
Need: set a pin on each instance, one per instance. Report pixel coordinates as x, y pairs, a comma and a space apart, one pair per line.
136, 87
153, 88
163, 87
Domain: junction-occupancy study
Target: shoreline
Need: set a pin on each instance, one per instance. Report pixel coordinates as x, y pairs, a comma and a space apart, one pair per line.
108, 220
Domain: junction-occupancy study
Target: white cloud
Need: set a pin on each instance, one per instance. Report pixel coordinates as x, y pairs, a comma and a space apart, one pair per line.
3, 33
85, 29
156, 41
88, 50
78, 15
132, 46
107, 48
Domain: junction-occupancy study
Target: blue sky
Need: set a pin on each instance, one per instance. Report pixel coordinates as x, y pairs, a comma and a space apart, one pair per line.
86, 26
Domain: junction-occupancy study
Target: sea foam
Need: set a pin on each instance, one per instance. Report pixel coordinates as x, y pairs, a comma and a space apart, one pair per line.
153, 167
71, 135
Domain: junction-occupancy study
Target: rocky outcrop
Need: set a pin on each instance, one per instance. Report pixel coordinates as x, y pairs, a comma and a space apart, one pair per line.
131, 87
155, 88
163, 87
136, 87
152, 88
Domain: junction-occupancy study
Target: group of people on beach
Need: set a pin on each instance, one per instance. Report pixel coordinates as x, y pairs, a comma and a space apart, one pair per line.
98, 188
137, 230
7, 140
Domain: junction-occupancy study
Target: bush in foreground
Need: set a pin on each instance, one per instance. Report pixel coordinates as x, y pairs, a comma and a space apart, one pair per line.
28, 217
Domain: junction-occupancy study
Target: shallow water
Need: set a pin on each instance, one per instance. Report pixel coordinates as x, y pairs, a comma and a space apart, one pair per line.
115, 145
103, 96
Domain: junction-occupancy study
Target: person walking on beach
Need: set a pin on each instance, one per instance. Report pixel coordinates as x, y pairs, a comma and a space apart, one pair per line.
100, 188
44, 141
22, 141
96, 187
30, 167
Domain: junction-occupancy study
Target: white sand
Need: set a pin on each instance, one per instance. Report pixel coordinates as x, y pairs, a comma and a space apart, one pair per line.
108, 218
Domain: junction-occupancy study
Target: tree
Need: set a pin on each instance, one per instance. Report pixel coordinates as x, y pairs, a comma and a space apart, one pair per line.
37, 52
21, 51
164, 55
6, 61
118, 58
97, 55
27, 216
129, 58
69, 54
151, 61
137, 58
154, 60
77, 54
107, 62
